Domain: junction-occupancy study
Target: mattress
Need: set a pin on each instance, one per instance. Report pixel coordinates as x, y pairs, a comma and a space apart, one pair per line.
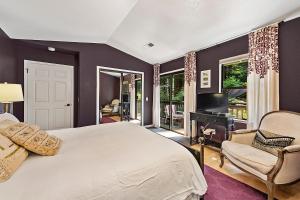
108, 162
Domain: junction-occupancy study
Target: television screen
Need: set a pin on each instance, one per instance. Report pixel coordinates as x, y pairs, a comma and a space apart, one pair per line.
212, 102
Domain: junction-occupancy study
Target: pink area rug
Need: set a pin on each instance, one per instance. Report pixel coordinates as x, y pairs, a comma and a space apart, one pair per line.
223, 187
105, 120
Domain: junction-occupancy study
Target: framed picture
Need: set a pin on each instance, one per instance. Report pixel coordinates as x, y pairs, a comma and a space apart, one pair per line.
205, 80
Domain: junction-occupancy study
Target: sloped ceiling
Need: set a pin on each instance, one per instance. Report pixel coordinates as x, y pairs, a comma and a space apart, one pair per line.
173, 26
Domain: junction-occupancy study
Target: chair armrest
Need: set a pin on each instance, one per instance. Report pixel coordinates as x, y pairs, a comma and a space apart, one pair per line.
292, 148
242, 136
287, 167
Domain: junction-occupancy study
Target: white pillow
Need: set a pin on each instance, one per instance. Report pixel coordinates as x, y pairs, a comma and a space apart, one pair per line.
8, 116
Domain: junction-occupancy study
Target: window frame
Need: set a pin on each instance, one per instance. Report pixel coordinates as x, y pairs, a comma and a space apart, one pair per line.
226, 61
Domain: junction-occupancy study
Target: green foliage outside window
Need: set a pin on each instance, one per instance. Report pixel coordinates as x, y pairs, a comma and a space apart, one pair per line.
235, 85
235, 75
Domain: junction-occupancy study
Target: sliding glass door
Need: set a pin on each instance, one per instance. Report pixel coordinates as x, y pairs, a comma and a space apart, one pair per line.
172, 102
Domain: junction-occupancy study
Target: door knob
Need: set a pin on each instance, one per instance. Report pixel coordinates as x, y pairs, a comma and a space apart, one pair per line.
68, 105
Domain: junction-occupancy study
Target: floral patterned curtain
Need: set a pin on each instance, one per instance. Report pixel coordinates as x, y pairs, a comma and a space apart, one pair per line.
156, 75
156, 95
132, 81
190, 67
263, 74
189, 91
263, 51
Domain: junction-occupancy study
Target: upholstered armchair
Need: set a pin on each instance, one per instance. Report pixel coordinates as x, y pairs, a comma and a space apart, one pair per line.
112, 108
272, 170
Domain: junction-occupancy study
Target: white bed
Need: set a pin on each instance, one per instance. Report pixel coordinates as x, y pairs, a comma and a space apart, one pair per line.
109, 162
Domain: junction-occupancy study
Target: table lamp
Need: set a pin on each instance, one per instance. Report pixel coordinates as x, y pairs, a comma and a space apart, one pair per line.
10, 93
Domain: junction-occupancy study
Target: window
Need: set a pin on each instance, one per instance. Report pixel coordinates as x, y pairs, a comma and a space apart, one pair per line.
234, 83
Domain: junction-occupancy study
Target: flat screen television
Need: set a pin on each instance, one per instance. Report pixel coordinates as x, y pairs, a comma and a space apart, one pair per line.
212, 102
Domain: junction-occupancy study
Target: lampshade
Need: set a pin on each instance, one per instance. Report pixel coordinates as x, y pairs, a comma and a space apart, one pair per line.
10, 93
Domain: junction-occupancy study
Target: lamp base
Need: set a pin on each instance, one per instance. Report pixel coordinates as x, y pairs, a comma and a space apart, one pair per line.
6, 107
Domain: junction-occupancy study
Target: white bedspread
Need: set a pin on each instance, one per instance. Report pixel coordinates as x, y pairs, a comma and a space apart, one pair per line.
108, 162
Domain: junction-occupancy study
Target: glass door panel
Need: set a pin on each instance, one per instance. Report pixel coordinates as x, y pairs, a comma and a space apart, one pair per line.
177, 103
172, 102
165, 115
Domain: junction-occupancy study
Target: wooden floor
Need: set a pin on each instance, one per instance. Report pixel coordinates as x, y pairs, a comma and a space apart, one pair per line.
288, 192
116, 118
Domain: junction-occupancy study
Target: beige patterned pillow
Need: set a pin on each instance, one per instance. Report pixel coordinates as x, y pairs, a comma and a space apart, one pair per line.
32, 138
11, 157
6, 123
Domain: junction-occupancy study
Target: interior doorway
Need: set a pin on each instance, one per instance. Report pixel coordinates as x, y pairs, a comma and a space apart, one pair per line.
172, 102
128, 104
48, 95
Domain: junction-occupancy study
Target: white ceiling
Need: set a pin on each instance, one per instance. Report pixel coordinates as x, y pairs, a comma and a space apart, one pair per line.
174, 26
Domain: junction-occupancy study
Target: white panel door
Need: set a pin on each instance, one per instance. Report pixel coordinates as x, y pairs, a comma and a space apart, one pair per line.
48, 95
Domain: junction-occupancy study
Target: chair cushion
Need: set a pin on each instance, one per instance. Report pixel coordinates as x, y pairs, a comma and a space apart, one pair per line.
32, 138
271, 142
11, 157
115, 109
107, 108
260, 160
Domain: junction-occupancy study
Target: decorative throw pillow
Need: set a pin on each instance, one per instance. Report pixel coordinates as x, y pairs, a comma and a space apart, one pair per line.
271, 142
32, 138
6, 123
8, 116
11, 157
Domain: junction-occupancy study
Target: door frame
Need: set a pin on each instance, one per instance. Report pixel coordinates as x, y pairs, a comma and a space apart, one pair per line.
171, 73
26, 63
98, 69
135, 91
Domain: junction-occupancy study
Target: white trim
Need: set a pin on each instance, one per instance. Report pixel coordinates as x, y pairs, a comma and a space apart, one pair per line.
226, 61
173, 71
234, 58
26, 62
98, 69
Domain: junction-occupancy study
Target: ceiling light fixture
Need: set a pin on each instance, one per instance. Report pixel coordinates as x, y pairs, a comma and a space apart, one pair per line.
150, 44
51, 49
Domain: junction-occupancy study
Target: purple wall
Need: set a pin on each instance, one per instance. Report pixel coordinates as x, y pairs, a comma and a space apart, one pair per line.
209, 59
86, 57
109, 88
27, 51
289, 62
289, 51
7, 59
172, 65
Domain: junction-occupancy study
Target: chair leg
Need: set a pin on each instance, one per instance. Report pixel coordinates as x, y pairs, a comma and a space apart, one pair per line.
271, 188
222, 160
